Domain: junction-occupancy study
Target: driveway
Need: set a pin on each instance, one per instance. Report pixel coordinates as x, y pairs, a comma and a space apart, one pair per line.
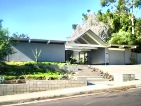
121, 69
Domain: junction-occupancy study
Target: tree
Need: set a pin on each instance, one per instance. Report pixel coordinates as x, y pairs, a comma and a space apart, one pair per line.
121, 22
123, 6
5, 43
16, 35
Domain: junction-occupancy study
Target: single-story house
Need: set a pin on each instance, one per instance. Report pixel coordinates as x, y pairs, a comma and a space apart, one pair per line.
86, 47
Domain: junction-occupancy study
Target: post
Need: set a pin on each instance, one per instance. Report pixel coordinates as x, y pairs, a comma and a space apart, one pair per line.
105, 56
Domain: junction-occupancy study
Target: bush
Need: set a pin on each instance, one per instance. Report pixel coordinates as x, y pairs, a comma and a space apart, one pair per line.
10, 77
17, 70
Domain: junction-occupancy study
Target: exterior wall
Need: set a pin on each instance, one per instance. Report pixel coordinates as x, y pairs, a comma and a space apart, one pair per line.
39, 85
127, 56
117, 57
97, 56
49, 52
137, 57
106, 56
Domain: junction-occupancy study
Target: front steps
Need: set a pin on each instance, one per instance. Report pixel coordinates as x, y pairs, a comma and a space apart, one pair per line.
89, 74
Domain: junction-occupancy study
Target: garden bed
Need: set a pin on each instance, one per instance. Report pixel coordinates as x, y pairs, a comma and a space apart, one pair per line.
18, 72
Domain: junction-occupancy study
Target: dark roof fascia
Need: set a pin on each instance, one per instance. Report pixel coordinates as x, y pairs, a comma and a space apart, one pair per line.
39, 41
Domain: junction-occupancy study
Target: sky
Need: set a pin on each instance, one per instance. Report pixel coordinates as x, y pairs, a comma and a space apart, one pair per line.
44, 19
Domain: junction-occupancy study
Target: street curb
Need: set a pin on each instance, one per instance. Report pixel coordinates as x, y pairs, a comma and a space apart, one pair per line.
104, 90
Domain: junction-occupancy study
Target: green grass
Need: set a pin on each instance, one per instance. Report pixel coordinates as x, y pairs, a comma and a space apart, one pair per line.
17, 70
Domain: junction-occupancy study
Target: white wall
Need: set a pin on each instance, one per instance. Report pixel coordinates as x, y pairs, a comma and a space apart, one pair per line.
97, 56
116, 56
50, 52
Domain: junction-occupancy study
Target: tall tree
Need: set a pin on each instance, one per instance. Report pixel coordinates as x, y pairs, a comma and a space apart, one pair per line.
123, 6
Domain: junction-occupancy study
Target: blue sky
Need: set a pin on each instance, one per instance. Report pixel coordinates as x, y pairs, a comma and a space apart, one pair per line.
44, 19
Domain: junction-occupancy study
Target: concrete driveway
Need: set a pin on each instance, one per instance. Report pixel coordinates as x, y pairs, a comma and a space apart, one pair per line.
121, 69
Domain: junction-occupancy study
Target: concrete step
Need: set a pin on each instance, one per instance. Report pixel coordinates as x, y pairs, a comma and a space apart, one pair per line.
93, 79
83, 69
88, 74
91, 76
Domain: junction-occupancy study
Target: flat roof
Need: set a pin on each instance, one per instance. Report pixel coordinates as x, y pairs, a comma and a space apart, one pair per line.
27, 40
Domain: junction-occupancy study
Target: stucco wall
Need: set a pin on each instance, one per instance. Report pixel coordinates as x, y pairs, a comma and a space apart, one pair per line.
49, 52
97, 56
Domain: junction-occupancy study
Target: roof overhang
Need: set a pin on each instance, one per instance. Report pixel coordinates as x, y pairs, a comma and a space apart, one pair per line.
27, 40
82, 47
75, 46
123, 46
90, 39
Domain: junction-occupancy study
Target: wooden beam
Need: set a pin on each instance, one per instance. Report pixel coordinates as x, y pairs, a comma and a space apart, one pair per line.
85, 40
93, 38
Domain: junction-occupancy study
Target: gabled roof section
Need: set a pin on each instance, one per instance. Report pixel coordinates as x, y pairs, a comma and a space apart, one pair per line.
88, 37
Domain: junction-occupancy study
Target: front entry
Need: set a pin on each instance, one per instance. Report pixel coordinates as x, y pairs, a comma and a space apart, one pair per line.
81, 57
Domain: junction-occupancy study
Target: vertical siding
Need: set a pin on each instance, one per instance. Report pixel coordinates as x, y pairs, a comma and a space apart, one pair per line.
50, 52
97, 56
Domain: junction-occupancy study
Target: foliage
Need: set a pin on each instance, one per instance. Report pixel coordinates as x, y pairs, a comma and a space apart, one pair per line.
16, 35
121, 22
27, 70
36, 54
124, 38
132, 59
85, 17
74, 26
5, 43
72, 59
121, 5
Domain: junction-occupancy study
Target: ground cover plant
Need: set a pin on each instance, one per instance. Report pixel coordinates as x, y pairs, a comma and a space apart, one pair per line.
31, 70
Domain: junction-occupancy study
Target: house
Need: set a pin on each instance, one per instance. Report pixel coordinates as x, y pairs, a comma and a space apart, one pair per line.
89, 48
51, 50
86, 48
